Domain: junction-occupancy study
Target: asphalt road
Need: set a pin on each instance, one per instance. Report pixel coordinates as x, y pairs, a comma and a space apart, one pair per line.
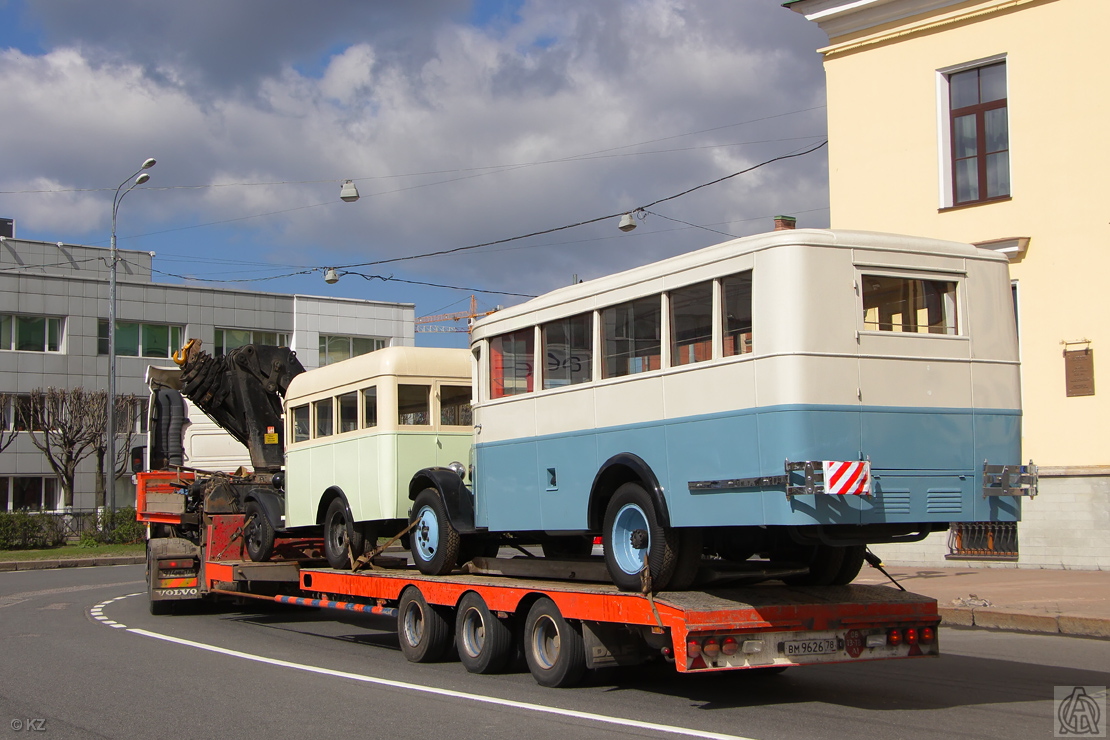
202, 675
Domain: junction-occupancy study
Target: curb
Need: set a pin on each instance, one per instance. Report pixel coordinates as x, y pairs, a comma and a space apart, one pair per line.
1013, 620
14, 565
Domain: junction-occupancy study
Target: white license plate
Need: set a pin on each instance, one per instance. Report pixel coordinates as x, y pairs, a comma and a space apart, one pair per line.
822, 646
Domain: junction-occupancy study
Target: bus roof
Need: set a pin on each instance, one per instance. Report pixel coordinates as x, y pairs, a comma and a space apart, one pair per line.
419, 362
828, 238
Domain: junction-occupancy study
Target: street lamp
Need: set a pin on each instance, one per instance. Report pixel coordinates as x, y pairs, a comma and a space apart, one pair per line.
110, 432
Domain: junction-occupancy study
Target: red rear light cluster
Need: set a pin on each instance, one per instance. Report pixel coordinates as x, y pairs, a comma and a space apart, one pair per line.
911, 636
729, 646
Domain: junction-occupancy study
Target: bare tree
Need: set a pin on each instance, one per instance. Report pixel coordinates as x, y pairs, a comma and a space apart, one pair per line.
69, 426
126, 408
8, 426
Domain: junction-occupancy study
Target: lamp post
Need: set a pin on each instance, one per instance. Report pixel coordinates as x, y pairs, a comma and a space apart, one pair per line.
110, 432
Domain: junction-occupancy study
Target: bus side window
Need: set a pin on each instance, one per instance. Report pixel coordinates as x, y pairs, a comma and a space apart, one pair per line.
348, 412
737, 308
454, 406
692, 324
300, 423
510, 364
369, 407
412, 405
567, 351
324, 416
630, 337
909, 305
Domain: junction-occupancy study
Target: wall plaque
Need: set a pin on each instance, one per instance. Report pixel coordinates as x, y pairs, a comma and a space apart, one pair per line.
1079, 372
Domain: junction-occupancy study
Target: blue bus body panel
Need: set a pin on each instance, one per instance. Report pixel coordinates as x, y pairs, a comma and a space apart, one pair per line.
926, 467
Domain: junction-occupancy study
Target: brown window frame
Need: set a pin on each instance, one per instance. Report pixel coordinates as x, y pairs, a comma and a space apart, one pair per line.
979, 111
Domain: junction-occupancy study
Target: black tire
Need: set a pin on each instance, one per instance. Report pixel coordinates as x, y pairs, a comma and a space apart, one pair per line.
484, 642
851, 566
631, 502
573, 546
824, 561
157, 608
259, 534
689, 559
553, 646
423, 630
435, 542
343, 541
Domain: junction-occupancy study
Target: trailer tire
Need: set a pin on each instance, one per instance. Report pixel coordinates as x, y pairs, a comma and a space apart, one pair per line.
553, 646
851, 566
435, 542
259, 534
484, 642
342, 539
423, 630
157, 608
630, 509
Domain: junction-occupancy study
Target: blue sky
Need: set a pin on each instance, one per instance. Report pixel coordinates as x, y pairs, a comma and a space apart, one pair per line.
461, 123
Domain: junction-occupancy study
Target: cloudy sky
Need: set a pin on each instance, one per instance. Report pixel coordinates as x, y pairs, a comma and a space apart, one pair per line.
461, 122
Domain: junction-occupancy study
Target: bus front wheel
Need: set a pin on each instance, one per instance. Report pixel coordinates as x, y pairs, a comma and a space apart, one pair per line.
434, 541
632, 529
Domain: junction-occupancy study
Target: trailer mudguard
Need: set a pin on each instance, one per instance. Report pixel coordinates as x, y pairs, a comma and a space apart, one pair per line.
457, 498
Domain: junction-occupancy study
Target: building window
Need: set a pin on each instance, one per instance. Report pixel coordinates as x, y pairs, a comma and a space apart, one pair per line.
134, 339
335, 348
510, 359
229, 339
979, 134
30, 333
29, 492
567, 349
909, 305
630, 337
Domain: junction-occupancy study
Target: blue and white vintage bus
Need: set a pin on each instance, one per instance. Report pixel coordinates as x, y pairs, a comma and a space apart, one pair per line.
798, 394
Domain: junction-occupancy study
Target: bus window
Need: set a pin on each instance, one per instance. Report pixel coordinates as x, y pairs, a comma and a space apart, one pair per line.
736, 304
567, 351
348, 412
692, 324
511, 364
454, 406
300, 423
412, 405
909, 305
323, 411
369, 408
630, 337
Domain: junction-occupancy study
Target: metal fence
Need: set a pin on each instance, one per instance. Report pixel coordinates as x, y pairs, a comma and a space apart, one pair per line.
983, 541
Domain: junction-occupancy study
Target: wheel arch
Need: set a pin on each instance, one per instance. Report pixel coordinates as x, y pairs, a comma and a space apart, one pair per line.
614, 473
272, 503
332, 493
457, 499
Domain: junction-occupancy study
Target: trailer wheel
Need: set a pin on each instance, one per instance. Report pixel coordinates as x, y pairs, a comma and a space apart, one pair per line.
630, 511
259, 534
342, 539
435, 543
553, 647
423, 630
485, 643
850, 567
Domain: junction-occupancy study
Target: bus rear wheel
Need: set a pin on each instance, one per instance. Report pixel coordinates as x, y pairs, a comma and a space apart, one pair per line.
632, 529
435, 542
259, 534
343, 541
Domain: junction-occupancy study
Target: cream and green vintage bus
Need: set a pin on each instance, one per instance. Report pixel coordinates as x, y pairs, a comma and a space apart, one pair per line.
356, 431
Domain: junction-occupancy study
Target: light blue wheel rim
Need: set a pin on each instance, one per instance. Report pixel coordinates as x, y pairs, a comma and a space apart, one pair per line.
427, 534
630, 518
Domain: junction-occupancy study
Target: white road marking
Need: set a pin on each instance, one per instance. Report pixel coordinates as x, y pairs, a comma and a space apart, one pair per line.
479, 698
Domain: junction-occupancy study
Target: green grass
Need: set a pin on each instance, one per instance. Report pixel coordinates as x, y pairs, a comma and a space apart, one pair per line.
69, 552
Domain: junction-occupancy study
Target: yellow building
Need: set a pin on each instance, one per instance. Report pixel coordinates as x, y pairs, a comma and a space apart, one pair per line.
985, 121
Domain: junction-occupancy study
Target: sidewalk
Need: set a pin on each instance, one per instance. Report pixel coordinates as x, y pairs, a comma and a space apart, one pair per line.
10, 565
1069, 602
